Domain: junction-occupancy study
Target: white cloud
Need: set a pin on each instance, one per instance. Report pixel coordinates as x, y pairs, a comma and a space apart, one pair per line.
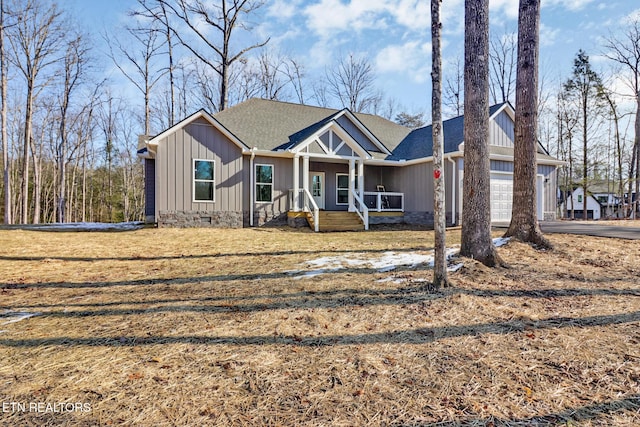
411, 58
548, 35
568, 4
283, 9
508, 7
329, 17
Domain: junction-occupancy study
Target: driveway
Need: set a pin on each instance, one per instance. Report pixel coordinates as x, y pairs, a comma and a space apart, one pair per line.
590, 229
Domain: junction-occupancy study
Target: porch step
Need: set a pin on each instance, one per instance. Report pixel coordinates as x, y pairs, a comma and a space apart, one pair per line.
337, 221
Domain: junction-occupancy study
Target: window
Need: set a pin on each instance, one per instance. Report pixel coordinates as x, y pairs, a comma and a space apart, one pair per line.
203, 180
579, 198
264, 183
342, 189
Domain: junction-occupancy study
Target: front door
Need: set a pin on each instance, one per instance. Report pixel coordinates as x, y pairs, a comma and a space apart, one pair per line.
316, 184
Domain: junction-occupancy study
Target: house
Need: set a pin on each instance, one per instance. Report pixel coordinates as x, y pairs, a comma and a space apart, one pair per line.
275, 162
601, 202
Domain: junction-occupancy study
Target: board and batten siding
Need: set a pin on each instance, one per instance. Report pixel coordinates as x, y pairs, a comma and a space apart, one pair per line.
174, 175
275, 210
501, 131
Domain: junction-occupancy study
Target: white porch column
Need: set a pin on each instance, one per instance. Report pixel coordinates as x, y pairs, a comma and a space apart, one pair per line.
361, 179
352, 183
296, 183
305, 173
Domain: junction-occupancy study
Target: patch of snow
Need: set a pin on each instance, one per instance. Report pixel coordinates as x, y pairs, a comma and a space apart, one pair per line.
88, 226
501, 241
16, 316
386, 262
455, 267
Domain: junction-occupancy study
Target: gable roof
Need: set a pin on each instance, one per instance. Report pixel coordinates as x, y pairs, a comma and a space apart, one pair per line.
276, 125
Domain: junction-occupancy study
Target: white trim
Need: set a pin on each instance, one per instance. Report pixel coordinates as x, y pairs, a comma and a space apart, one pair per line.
193, 180
342, 188
354, 119
200, 114
506, 107
296, 184
256, 183
251, 188
335, 127
320, 201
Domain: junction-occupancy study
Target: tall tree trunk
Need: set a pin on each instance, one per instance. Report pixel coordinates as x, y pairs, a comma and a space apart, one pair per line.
8, 219
476, 213
524, 214
585, 160
439, 220
25, 154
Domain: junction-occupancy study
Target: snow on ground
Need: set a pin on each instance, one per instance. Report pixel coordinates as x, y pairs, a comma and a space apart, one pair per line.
386, 262
85, 226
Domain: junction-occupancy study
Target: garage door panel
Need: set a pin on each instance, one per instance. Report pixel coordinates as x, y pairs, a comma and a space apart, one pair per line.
501, 197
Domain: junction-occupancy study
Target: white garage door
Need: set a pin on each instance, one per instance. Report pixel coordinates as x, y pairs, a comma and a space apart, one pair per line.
501, 197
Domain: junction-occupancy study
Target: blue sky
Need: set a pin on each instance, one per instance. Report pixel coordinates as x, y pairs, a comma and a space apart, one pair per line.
395, 34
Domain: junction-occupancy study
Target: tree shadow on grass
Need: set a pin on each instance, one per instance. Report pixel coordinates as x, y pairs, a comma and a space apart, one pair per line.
144, 258
629, 405
411, 336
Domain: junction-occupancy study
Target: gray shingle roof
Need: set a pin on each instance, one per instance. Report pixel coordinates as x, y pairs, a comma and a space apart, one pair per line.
272, 125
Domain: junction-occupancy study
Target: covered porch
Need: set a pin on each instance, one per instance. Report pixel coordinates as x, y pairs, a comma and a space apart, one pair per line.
333, 194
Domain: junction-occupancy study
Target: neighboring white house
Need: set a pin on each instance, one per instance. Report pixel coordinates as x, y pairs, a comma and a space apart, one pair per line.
576, 201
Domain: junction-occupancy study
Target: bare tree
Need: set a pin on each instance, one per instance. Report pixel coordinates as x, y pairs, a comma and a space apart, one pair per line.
157, 12
502, 55
223, 18
145, 74
295, 72
6, 181
440, 248
36, 42
476, 213
351, 82
74, 62
524, 221
625, 50
454, 87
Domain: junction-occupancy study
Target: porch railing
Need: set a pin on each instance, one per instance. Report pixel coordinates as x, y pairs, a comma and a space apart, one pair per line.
361, 209
384, 201
305, 204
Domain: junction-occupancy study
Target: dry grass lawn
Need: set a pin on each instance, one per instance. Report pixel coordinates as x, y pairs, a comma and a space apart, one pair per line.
217, 327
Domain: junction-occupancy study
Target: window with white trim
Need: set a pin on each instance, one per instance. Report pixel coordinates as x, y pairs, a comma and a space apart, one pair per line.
264, 183
204, 183
342, 189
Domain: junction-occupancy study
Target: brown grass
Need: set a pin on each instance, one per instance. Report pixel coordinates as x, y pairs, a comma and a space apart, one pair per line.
210, 327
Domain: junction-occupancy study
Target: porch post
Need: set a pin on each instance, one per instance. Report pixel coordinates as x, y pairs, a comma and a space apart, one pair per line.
305, 173
361, 179
352, 183
296, 183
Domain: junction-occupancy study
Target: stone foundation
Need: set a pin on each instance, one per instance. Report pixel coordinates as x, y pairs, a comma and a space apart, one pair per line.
182, 219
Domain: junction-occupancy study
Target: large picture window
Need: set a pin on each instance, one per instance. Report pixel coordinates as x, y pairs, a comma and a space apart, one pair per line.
203, 180
264, 183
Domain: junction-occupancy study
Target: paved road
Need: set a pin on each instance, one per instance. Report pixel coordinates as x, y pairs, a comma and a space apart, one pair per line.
591, 229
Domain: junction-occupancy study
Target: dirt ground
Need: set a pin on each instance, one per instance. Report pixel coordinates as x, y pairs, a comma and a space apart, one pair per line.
278, 327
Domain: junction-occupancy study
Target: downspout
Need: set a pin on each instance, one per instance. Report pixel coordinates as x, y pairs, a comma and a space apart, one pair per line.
453, 191
251, 186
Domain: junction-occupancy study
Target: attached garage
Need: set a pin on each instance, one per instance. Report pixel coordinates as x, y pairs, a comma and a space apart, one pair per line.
502, 196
